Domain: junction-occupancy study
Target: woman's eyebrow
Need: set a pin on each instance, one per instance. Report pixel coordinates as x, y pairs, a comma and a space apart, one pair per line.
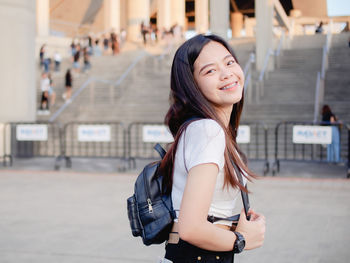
228, 56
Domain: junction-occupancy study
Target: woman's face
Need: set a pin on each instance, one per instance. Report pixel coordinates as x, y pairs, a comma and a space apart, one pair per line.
218, 75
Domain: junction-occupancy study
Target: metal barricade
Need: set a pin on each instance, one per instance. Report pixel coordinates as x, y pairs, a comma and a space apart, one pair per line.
307, 142
30, 139
256, 146
139, 147
92, 139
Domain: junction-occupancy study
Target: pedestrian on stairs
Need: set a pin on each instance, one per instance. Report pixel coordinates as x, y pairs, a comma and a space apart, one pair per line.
68, 84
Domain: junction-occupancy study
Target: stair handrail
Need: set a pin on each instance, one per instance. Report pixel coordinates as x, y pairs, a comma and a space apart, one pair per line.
248, 76
91, 80
280, 43
320, 81
317, 97
266, 63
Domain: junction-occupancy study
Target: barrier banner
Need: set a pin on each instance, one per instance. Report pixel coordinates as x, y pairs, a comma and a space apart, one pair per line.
31, 132
243, 134
94, 133
156, 133
312, 134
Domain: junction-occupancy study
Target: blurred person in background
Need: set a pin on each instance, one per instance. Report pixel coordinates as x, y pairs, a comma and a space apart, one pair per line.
105, 44
333, 149
86, 58
97, 49
76, 57
52, 93
44, 87
41, 55
57, 58
68, 85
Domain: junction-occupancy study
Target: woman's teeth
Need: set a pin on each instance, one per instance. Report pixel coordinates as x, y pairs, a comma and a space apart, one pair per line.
230, 86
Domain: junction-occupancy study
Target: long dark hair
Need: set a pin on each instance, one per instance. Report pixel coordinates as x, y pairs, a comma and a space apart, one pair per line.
326, 110
187, 101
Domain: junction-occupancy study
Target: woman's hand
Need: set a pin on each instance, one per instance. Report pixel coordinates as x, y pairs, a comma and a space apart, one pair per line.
253, 230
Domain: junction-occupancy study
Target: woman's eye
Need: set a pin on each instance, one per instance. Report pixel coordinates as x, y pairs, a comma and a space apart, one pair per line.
210, 71
231, 62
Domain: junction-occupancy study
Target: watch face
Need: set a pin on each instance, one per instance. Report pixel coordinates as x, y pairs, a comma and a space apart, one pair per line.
240, 245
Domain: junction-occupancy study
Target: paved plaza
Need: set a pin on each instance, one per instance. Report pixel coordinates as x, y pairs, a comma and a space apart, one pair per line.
75, 217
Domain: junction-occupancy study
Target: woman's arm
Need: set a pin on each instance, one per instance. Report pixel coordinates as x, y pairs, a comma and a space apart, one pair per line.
333, 119
193, 224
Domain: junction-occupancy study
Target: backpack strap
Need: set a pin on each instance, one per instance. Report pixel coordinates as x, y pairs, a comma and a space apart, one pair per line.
160, 150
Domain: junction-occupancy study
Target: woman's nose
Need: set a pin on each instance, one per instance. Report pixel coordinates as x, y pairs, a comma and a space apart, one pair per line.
225, 73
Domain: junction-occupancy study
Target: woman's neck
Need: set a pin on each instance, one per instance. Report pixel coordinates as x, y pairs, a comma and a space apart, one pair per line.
225, 115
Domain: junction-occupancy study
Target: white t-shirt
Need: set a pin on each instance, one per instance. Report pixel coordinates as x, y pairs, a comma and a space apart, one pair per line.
45, 84
203, 142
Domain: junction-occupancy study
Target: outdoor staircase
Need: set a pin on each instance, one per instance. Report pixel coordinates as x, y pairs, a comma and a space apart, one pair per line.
337, 83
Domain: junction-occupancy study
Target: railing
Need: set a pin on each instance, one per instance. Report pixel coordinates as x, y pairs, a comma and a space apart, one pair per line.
140, 147
92, 139
252, 138
112, 140
311, 142
320, 81
260, 85
92, 80
29, 139
248, 77
256, 147
263, 73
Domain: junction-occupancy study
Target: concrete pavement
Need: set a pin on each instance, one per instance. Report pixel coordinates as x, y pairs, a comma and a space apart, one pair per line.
72, 217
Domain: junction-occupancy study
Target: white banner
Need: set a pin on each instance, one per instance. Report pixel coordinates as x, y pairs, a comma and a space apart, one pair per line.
156, 133
31, 132
243, 135
94, 133
312, 134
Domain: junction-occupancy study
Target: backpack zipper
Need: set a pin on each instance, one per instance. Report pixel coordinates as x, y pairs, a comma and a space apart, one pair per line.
149, 201
150, 208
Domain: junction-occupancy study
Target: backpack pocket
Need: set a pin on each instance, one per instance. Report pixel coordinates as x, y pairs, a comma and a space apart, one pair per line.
134, 217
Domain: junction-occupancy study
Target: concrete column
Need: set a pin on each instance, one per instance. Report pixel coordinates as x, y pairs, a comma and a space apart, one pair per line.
178, 12
164, 13
264, 34
201, 16
236, 24
138, 12
123, 14
249, 25
219, 17
42, 18
112, 15
17, 63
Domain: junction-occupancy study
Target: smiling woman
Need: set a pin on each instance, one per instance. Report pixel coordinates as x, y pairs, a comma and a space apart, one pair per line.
206, 104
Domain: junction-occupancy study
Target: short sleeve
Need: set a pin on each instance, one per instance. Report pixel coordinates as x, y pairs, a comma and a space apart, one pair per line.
204, 142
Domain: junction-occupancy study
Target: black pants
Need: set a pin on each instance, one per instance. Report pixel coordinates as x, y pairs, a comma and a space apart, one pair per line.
184, 252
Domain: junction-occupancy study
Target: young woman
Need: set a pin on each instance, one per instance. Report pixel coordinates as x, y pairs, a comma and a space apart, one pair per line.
333, 149
206, 104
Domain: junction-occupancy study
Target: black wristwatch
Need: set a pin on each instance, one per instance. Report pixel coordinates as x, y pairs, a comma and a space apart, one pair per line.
239, 243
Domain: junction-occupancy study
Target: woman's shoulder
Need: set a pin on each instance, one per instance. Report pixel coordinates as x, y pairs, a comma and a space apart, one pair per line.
205, 127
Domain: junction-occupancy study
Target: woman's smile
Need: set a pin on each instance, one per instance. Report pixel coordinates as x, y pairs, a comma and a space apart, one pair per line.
230, 87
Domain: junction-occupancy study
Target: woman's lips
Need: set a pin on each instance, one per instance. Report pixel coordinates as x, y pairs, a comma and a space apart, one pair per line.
230, 86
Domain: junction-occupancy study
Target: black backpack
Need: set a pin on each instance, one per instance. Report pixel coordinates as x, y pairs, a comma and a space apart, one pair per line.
150, 211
